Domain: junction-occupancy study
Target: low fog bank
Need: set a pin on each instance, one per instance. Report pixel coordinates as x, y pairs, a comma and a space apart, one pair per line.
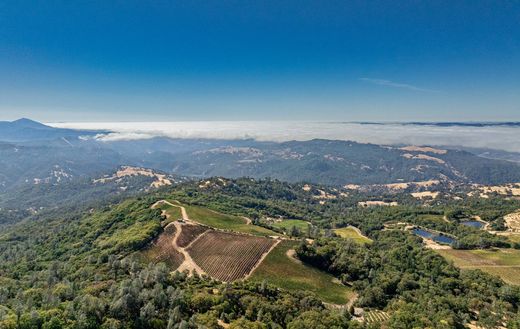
501, 137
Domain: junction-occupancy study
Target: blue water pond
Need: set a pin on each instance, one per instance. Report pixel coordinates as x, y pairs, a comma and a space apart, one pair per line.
435, 237
473, 223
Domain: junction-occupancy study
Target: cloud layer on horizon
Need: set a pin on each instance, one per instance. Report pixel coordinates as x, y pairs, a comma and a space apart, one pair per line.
494, 137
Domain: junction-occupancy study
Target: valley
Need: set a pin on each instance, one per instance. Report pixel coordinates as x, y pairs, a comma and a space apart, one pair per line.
137, 242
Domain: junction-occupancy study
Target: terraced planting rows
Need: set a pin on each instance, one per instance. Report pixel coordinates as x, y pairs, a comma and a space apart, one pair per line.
376, 316
229, 257
189, 233
163, 249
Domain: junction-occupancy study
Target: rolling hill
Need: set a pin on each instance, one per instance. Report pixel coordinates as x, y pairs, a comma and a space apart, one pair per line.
31, 153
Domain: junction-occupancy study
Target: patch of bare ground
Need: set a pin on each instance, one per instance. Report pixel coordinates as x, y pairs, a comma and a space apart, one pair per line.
434, 245
513, 221
377, 203
128, 171
188, 264
413, 148
423, 157
404, 186
291, 254
425, 195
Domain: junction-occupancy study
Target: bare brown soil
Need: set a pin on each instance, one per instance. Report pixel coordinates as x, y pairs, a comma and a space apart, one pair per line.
413, 148
377, 203
128, 171
513, 221
425, 194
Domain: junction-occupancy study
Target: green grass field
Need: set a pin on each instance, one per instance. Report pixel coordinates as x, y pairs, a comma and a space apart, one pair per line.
287, 273
288, 224
438, 219
225, 222
504, 263
173, 212
351, 233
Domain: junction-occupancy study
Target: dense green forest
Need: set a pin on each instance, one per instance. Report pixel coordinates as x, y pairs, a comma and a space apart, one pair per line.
81, 271
273, 198
418, 286
82, 268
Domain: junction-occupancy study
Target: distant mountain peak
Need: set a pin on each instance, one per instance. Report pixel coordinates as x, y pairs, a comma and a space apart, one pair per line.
28, 123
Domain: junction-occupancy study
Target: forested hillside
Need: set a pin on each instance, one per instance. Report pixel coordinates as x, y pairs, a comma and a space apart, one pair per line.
85, 268
62, 155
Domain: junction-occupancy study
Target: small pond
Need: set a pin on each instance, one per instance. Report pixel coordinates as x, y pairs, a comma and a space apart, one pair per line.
443, 239
473, 223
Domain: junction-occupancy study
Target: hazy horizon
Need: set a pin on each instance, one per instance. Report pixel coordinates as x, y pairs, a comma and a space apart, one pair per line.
493, 136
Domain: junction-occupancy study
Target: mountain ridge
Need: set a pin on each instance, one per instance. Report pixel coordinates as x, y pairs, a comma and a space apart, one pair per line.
33, 153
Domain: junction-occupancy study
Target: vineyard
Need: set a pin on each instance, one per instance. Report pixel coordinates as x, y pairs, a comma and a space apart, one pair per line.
376, 316
189, 233
229, 257
162, 250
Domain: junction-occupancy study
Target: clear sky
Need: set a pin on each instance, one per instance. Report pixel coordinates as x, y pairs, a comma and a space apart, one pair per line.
260, 60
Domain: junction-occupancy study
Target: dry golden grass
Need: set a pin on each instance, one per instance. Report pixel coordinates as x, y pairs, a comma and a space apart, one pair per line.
504, 263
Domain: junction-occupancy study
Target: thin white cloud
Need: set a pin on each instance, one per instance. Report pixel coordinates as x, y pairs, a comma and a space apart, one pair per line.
388, 83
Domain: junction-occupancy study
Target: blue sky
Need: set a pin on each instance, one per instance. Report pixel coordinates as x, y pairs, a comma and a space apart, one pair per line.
260, 60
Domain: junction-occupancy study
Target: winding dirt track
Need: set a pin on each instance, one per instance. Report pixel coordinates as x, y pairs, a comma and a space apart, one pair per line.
188, 263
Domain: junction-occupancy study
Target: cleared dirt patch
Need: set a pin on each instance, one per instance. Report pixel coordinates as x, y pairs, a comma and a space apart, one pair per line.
513, 221
434, 245
189, 233
403, 186
128, 171
427, 149
229, 257
366, 204
423, 157
425, 194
